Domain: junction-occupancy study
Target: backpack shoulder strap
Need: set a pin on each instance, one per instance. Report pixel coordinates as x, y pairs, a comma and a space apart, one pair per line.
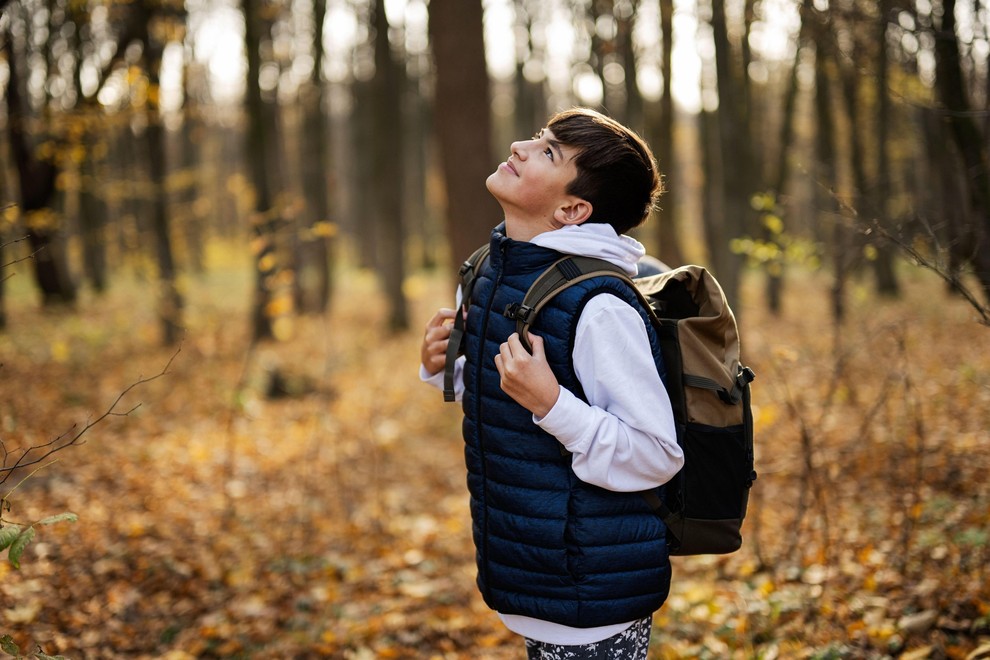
563, 273
468, 272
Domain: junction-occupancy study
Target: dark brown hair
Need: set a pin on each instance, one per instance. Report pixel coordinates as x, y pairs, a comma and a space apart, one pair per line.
617, 173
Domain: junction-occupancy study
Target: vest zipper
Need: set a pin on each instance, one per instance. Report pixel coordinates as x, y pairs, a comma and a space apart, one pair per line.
481, 428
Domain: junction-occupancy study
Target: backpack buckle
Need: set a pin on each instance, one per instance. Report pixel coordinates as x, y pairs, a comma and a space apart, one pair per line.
518, 312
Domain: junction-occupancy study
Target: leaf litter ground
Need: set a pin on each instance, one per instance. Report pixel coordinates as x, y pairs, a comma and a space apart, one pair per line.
329, 518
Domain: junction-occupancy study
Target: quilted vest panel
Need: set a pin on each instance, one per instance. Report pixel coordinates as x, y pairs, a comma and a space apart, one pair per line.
549, 545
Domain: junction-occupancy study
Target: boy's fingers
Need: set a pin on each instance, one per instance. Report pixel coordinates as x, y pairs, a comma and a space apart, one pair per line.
511, 347
443, 314
536, 342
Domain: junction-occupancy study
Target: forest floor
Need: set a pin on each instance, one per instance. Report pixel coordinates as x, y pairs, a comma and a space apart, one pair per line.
216, 521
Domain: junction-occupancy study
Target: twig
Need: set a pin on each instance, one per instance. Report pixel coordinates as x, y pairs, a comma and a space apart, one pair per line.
950, 278
5, 499
56, 444
11, 263
875, 225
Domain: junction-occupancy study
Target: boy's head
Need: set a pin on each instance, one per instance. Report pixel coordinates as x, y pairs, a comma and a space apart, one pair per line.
616, 171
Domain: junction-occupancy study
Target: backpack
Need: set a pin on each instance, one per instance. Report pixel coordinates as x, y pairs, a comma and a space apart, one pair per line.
705, 503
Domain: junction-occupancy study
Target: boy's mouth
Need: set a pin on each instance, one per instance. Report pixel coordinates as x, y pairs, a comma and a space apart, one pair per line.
510, 167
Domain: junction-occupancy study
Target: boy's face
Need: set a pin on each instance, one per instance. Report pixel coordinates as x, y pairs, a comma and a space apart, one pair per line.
531, 186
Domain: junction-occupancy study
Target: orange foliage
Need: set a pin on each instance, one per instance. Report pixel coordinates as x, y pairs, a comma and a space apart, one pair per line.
216, 521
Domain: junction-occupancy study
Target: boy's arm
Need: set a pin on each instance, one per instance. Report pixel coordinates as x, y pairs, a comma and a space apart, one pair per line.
624, 439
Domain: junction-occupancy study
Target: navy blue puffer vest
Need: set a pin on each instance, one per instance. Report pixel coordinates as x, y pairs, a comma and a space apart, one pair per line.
549, 545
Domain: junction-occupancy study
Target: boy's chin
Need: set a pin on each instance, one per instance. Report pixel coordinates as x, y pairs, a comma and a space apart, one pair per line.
491, 183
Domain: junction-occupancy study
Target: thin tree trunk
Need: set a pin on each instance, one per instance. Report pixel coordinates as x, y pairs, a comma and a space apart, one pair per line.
634, 100
779, 175
736, 154
826, 171
170, 302
312, 285
667, 226
388, 183
258, 151
36, 182
883, 265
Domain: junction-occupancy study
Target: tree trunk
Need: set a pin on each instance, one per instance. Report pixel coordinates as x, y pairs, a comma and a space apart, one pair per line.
258, 151
778, 177
419, 225
361, 133
950, 86
463, 122
388, 182
92, 209
667, 225
713, 192
313, 283
634, 100
169, 300
862, 201
736, 154
826, 171
883, 265
36, 182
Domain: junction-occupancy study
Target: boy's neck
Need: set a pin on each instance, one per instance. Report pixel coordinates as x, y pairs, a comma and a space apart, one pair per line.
524, 229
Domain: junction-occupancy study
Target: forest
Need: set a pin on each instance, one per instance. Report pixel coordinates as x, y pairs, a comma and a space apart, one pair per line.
224, 225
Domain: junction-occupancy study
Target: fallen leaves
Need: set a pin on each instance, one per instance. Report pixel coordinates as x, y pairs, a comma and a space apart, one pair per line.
216, 522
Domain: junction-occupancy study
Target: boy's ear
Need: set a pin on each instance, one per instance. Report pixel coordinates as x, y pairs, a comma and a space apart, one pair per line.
574, 213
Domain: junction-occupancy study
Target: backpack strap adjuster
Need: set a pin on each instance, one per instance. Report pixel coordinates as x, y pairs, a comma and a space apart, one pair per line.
519, 312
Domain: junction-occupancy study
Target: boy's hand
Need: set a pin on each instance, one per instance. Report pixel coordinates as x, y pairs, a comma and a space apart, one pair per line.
527, 378
433, 352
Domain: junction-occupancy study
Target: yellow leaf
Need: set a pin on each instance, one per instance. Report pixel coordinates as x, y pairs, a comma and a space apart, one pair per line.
282, 328
267, 263
279, 306
12, 213
60, 351
773, 223
324, 229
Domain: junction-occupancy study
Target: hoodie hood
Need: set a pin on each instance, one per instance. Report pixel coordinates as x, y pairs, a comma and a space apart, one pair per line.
594, 239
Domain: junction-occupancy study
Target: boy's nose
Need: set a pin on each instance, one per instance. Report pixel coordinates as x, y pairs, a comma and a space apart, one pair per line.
518, 148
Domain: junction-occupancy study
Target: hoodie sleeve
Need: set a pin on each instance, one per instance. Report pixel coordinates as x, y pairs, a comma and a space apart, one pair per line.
624, 439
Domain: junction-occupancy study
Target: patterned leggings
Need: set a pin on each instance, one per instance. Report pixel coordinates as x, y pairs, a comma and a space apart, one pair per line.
630, 644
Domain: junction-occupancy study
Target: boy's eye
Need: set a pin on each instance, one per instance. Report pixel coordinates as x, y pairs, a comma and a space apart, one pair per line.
549, 152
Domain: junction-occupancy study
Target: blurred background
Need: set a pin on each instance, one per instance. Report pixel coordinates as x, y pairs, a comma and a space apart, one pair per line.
840, 134
224, 224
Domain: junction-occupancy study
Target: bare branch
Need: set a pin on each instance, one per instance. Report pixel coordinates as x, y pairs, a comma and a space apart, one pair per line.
39, 453
30, 256
946, 274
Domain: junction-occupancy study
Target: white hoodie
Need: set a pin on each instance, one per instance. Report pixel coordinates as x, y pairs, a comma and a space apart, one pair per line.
624, 438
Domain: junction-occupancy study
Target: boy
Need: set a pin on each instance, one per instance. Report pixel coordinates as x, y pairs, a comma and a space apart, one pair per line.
560, 443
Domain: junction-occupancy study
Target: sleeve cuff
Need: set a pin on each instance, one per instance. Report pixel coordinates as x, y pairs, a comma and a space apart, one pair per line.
434, 379
567, 421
